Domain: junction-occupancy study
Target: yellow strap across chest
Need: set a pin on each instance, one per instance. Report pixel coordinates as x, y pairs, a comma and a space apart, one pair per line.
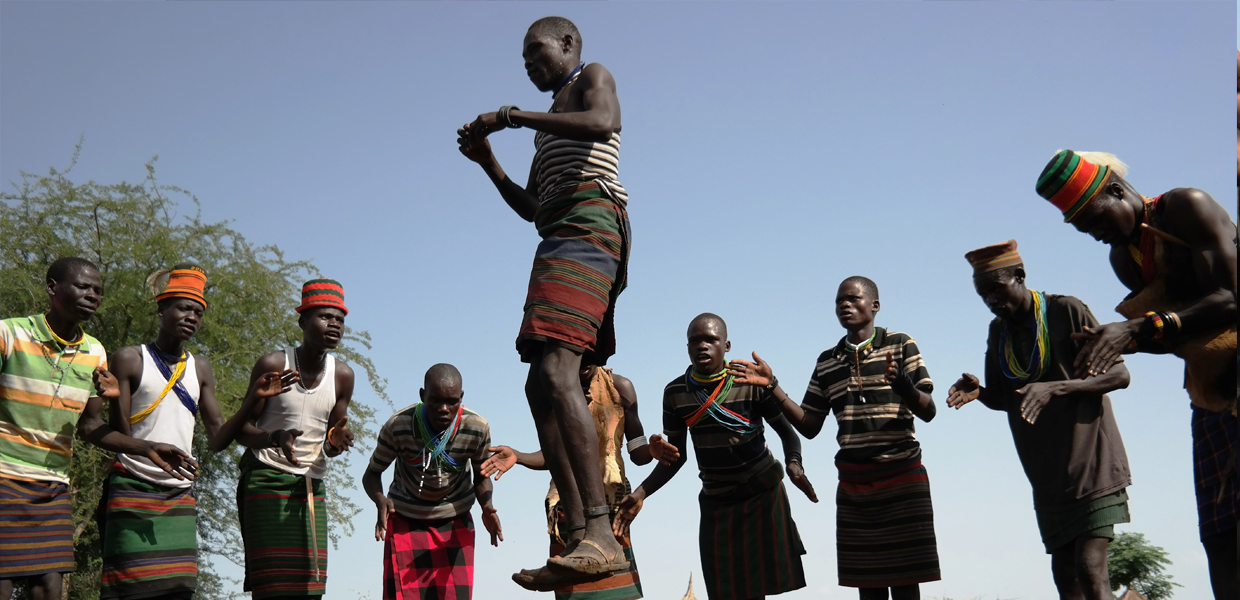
172, 381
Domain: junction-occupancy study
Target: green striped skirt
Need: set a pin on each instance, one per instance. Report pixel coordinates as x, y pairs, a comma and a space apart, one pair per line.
749, 544
150, 539
285, 551
1087, 518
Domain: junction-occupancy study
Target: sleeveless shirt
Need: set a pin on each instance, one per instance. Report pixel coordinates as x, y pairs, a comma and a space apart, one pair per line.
304, 409
169, 423
561, 164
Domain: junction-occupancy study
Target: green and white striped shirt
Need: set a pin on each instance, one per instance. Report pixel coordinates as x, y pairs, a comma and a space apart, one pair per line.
44, 385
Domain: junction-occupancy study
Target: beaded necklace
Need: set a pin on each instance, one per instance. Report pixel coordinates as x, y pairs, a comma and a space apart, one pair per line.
173, 376
1041, 349
567, 80
856, 352
436, 448
64, 347
711, 402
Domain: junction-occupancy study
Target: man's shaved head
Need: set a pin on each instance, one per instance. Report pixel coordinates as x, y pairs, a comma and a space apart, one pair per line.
61, 268
558, 27
867, 285
710, 318
442, 375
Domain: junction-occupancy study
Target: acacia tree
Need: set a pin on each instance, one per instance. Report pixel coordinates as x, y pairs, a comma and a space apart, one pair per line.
130, 231
1134, 563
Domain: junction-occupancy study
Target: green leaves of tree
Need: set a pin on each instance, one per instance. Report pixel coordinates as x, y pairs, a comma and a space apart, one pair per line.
1134, 563
130, 231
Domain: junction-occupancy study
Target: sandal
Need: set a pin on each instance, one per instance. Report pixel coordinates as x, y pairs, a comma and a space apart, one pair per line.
541, 579
590, 567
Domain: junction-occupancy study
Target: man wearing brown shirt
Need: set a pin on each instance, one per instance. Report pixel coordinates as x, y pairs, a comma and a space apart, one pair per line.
1064, 428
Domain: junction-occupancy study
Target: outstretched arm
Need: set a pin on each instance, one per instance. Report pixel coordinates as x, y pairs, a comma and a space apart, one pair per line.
504, 458
632, 503
116, 386
1204, 226
759, 373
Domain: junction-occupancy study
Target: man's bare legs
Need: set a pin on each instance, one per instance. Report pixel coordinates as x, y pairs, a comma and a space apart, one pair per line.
42, 587
558, 371
902, 592
556, 458
1080, 570
1221, 558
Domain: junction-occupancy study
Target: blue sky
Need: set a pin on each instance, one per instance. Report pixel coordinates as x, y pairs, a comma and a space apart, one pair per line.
770, 150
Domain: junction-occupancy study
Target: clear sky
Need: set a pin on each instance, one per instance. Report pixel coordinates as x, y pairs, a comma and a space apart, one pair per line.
770, 150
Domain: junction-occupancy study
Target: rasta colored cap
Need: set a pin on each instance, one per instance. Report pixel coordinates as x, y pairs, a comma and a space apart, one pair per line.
996, 256
185, 280
322, 292
1070, 182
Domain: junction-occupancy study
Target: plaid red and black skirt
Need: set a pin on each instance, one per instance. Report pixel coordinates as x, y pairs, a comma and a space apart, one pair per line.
579, 271
428, 560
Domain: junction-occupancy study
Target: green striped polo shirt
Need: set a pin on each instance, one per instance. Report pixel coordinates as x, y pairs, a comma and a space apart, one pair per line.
43, 388
430, 494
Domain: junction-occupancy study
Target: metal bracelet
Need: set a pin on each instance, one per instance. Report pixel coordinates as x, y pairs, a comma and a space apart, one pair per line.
597, 511
636, 443
506, 118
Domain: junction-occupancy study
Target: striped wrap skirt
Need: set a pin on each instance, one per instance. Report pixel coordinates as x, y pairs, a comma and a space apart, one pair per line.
36, 528
285, 546
425, 560
150, 539
749, 543
884, 525
579, 271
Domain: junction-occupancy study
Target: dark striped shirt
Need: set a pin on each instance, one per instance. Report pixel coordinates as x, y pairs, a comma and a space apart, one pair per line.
875, 425
726, 459
430, 494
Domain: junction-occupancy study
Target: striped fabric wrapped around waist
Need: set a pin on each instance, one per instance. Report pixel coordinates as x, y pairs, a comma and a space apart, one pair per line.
877, 471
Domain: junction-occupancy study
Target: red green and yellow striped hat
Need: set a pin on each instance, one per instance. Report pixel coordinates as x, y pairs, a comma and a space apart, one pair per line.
322, 292
995, 256
1070, 182
185, 280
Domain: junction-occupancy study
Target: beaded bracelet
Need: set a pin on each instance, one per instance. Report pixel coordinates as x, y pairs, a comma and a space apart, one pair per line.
1157, 320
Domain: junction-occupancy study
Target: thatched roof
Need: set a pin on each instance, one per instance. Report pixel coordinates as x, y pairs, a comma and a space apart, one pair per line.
1132, 594
689, 595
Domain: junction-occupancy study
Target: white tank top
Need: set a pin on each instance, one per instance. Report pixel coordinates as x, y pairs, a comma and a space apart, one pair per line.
307, 410
170, 422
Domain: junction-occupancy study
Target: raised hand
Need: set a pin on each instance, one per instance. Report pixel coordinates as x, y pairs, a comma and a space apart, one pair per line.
662, 451
965, 390
477, 150
172, 460
386, 509
284, 440
340, 436
756, 373
486, 124
796, 473
893, 368
273, 384
628, 509
1036, 395
502, 459
105, 383
490, 520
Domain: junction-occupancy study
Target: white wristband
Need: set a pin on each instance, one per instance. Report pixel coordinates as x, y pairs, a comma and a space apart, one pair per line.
636, 443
